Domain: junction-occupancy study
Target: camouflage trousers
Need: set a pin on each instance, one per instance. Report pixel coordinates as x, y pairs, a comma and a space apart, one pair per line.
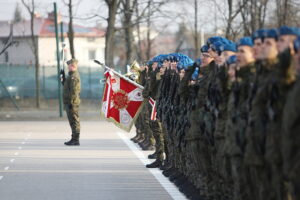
145, 124
156, 128
73, 117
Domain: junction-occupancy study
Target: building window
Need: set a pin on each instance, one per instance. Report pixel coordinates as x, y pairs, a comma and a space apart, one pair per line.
92, 54
90, 39
6, 56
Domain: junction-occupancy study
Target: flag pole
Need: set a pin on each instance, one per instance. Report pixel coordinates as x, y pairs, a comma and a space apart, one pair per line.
117, 73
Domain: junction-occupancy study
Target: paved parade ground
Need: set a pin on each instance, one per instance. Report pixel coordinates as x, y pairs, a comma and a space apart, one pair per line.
35, 165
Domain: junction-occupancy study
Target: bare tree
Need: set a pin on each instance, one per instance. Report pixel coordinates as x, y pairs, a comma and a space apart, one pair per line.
128, 9
254, 15
113, 6
30, 6
17, 14
70, 28
196, 31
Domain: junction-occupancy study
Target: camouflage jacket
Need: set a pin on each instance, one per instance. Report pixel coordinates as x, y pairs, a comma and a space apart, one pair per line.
71, 92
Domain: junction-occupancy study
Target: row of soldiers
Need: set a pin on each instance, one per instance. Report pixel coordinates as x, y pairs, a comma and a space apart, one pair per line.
228, 125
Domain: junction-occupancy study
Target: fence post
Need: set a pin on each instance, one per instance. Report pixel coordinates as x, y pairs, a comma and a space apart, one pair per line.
58, 64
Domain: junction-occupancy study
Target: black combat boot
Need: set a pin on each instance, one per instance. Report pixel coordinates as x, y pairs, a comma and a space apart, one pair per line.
152, 156
149, 148
74, 141
155, 164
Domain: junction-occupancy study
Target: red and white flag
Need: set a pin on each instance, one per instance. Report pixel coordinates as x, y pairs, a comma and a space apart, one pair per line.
153, 112
122, 100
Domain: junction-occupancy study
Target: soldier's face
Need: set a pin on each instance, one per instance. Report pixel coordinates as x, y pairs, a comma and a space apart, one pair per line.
206, 59
245, 55
257, 49
181, 74
297, 61
225, 55
284, 42
174, 65
166, 63
220, 59
154, 66
72, 67
231, 72
269, 48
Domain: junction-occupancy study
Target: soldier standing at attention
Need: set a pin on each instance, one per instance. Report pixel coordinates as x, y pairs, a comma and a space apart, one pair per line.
71, 97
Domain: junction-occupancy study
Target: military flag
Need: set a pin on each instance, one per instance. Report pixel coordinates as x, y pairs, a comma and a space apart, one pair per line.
153, 111
122, 100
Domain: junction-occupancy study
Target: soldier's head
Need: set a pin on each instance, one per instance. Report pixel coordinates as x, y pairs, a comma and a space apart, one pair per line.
257, 38
269, 46
205, 56
181, 73
173, 62
154, 66
287, 36
72, 64
231, 63
227, 49
245, 54
166, 62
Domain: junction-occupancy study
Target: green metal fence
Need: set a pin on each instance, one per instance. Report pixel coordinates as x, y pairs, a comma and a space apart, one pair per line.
20, 81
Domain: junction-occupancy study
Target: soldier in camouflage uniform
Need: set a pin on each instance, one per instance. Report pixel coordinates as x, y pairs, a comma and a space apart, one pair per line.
151, 90
149, 141
71, 99
217, 99
258, 119
290, 130
281, 82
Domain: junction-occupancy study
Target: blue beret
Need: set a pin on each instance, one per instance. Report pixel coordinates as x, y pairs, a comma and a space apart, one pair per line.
228, 46
150, 62
232, 59
195, 74
286, 30
270, 33
258, 34
297, 44
212, 40
217, 46
204, 48
245, 41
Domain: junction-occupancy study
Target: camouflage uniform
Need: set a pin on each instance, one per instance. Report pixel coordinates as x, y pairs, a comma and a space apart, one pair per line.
151, 90
221, 161
197, 142
71, 99
290, 143
241, 92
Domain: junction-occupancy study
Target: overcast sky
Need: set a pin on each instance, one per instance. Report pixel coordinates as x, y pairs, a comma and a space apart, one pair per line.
86, 8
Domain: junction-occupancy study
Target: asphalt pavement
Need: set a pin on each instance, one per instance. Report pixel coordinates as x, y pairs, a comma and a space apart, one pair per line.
35, 165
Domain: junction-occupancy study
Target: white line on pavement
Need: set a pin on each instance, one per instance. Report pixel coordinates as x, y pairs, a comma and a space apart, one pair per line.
168, 186
23, 142
12, 160
6, 168
1, 177
16, 153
